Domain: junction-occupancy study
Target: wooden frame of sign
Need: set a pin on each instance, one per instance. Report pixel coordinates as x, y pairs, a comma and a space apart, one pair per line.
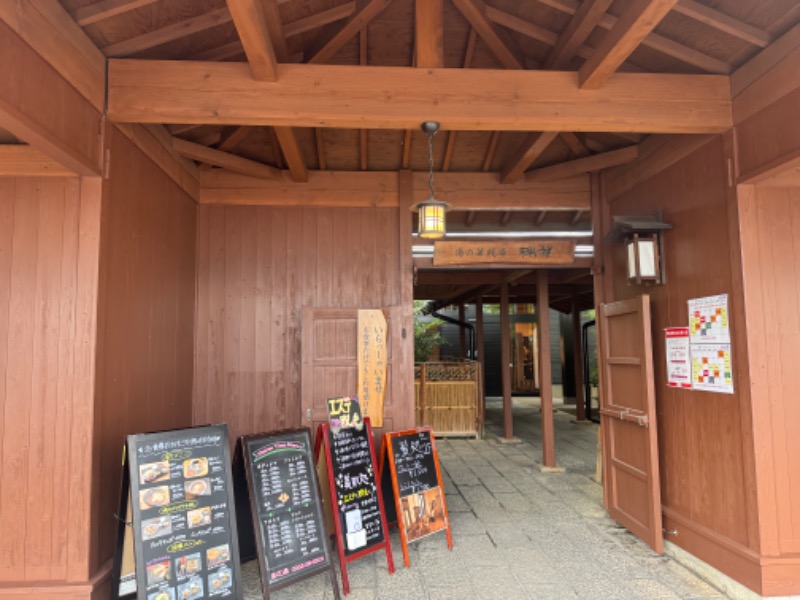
372, 533
178, 489
416, 480
284, 457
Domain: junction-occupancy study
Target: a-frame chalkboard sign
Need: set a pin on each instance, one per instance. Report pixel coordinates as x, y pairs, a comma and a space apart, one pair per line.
410, 469
177, 488
285, 506
359, 517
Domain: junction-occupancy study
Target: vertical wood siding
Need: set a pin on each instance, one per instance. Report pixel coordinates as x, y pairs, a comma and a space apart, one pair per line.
257, 267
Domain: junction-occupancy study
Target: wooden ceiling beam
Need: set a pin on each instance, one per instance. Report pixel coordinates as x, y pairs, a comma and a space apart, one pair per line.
106, 9
144, 91
251, 26
17, 160
363, 59
531, 148
577, 147
218, 53
293, 154
475, 12
234, 163
469, 54
634, 25
229, 142
169, 33
469, 219
583, 22
541, 217
429, 33
491, 151
320, 19
505, 218
587, 164
319, 138
272, 17
722, 22
655, 41
356, 23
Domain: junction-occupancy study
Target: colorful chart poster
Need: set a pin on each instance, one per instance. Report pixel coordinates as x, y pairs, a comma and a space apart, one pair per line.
679, 360
711, 368
708, 320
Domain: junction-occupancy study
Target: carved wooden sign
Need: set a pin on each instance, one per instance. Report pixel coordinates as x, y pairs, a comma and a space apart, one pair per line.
520, 252
372, 358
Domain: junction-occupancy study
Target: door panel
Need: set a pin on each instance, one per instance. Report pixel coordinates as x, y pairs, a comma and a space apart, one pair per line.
628, 411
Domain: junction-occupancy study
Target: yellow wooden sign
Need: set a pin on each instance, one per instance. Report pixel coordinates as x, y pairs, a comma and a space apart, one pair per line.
519, 252
372, 357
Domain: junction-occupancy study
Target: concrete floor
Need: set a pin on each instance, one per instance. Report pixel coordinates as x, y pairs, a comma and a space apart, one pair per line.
518, 533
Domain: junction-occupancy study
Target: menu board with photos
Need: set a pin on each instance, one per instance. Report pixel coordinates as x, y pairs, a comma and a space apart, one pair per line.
285, 504
184, 519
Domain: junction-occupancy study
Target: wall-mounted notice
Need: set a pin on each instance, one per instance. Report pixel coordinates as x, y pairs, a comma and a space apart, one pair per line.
183, 514
711, 368
679, 360
708, 320
285, 506
372, 360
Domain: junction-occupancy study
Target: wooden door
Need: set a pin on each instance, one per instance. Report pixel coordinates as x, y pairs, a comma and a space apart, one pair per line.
628, 419
330, 365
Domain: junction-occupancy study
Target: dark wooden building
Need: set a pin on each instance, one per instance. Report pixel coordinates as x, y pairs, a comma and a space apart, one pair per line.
197, 196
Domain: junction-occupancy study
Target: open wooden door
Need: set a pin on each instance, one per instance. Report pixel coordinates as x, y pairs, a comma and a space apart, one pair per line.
330, 364
628, 419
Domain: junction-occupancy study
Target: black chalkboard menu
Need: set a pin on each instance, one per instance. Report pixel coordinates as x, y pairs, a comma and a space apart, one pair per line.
285, 504
356, 499
410, 467
184, 521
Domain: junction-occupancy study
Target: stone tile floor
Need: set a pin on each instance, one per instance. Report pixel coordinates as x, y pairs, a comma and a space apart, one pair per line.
518, 533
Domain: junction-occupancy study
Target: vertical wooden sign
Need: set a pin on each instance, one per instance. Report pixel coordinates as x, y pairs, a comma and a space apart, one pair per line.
372, 360
410, 462
356, 500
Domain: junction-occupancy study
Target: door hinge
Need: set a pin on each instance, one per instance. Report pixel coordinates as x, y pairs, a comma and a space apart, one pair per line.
308, 415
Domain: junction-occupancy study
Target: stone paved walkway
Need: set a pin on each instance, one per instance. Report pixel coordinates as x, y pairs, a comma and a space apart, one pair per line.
518, 533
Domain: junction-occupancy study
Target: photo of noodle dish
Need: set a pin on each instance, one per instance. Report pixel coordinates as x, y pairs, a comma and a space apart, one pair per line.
197, 487
217, 555
199, 517
195, 467
154, 497
191, 589
154, 472
219, 580
166, 594
153, 528
158, 572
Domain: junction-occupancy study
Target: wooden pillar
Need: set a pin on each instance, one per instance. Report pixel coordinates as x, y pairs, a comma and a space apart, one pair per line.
481, 361
403, 337
580, 404
545, 373
462, 332
505, 364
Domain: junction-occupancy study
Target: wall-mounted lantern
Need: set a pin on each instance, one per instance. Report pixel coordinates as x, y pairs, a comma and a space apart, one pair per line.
644, 248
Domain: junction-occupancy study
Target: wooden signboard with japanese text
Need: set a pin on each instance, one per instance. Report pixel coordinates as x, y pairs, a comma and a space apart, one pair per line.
514, 252
410, 467
286, 510
372, 360
355, 497
182, 511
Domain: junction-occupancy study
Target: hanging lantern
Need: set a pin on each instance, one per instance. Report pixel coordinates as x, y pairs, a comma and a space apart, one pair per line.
431, 212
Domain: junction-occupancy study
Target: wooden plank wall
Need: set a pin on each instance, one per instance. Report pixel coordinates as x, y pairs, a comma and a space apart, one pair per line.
770, 219
48, 254
704, 442
257, 268
146, 316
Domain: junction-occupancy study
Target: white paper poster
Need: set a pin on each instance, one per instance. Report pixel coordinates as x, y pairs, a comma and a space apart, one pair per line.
708, 320
679, 361
711, 368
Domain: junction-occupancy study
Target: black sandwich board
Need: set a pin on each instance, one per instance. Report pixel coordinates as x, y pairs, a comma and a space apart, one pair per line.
177, 487
285, 506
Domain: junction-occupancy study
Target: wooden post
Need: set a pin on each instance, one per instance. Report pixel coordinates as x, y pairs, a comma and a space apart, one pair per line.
545, 374
481, 361
505, 364
462, 332
403, 336
580, 404
423, 381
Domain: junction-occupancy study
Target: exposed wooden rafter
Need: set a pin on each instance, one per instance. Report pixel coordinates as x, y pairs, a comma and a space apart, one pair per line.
640, 18
576, 146
292, 152
580, 26
401, 98
229, 141
251, 25
531, 148
469, 54
475, 12
234, 163
320, 19
429, 27
26, 161
354, 24
587, 164
491, 151
722, 22
99, 11
166, 34
319, 139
